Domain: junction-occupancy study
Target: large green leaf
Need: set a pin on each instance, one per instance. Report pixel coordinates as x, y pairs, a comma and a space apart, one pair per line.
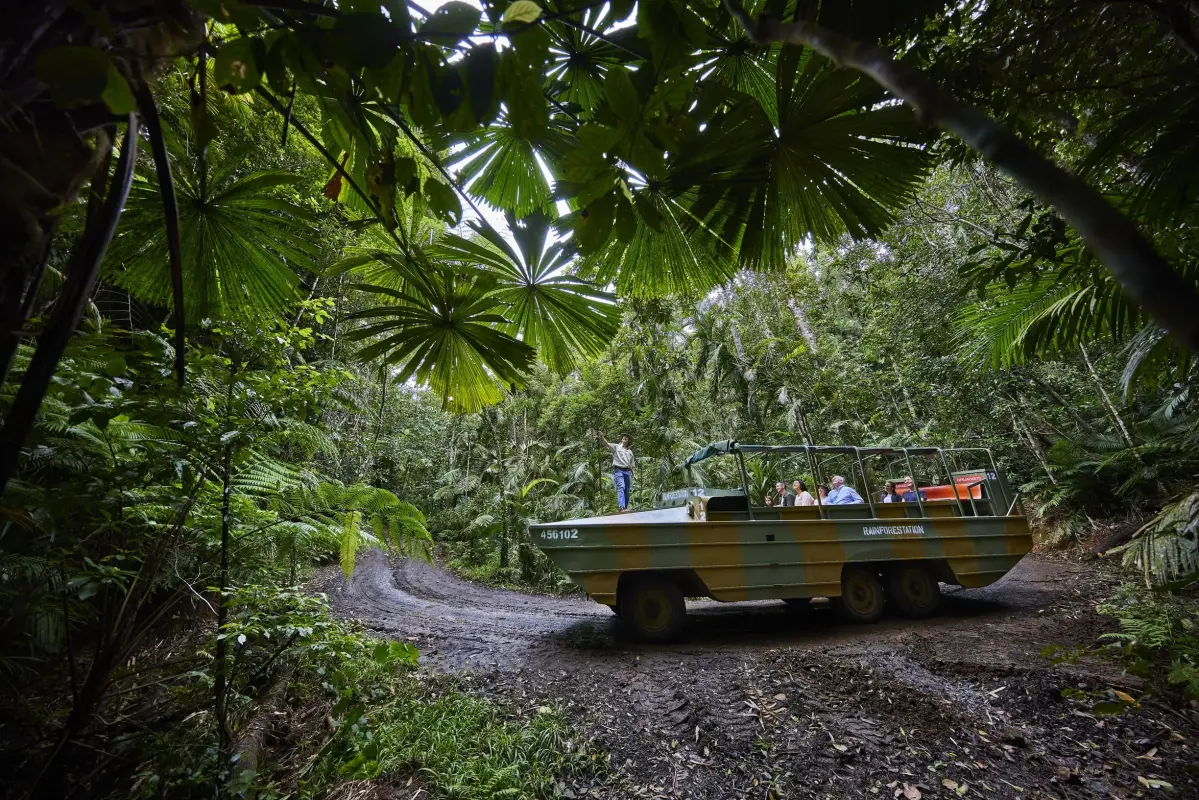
242, 244
840, 161
558, 314
668, 251
443, 331
503, 168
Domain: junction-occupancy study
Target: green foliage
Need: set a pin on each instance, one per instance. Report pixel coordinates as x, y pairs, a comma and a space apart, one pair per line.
1157, 625
788, 269
562, 317
243, 244
1166, 549
442, 330
388, 724
123, 505
391, 728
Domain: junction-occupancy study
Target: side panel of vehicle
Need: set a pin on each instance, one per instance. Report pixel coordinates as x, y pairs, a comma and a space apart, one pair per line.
769, 559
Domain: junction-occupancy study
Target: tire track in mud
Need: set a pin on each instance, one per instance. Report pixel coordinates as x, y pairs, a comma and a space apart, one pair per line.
759, 697
460, 623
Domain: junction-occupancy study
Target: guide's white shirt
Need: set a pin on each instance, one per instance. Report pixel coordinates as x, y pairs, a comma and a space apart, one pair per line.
621, 456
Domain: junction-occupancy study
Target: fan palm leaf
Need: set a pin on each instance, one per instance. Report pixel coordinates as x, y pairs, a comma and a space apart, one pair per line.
670, 252
504, 167
376, 260
444, 330
242, 244
839, 160
558, 314
581, 55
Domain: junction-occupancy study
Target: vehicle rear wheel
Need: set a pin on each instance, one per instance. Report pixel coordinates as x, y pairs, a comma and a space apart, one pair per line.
861, 597
913, 590
653, 608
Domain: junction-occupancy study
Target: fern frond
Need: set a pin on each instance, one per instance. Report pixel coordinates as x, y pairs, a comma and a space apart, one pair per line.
1166, 548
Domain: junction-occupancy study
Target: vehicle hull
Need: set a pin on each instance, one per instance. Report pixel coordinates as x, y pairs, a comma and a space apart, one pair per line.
737, 558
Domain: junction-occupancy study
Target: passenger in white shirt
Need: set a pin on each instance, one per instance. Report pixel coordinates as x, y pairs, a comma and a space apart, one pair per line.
802, 496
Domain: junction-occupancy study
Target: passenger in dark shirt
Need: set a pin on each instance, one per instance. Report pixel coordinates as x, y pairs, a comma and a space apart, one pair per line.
909, 493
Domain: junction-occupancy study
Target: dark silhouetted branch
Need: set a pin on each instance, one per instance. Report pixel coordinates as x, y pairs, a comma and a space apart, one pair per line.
68, 309
170, 210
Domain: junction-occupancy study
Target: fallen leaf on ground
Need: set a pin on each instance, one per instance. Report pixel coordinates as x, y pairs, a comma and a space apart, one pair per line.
1155, 783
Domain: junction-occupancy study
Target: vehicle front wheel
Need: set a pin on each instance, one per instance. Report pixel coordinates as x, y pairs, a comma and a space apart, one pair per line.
653, 608
861, 597
913, 590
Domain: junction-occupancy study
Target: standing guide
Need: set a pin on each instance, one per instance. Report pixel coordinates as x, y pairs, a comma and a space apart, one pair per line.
622, 468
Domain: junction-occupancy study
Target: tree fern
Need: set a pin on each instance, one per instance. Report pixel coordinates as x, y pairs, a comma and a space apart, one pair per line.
351, 539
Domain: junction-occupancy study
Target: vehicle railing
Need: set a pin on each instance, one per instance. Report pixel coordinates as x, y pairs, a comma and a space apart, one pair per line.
945, 455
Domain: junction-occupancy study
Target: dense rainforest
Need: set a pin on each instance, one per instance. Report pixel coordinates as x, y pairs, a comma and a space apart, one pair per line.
287, 283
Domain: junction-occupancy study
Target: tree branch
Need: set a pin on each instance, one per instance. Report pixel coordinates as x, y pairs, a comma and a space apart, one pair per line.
170, 210
1144, 275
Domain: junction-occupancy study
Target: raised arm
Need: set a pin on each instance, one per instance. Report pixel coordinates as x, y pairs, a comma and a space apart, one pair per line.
603, 438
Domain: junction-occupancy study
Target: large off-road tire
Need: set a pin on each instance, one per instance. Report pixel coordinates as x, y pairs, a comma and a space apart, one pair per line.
862, 599
913, 589
653, 608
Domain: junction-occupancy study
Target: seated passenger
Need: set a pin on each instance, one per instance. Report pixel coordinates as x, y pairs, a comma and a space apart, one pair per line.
842, 494
769, 501
823, 490
802, 496
909, 494
784, 497
890, 494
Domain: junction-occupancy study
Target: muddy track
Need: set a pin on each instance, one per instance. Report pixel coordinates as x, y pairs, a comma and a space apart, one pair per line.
765, 701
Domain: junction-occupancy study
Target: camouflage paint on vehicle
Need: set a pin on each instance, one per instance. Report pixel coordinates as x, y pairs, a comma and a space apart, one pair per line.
789, 552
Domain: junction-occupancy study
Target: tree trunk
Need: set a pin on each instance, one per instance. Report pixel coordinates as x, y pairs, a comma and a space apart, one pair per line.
907, 397
1065, 404
44, 162
1036, 448
220, 669
802, 324
1107, 401
499, 469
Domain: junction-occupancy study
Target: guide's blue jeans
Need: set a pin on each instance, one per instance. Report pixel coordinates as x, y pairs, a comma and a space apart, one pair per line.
624, 485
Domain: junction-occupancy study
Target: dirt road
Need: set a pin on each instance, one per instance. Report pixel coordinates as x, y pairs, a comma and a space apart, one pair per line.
763, 701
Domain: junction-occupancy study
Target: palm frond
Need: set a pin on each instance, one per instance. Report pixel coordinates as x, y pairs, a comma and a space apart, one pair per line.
443, 331
242, 243
1166, 548
557, 314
